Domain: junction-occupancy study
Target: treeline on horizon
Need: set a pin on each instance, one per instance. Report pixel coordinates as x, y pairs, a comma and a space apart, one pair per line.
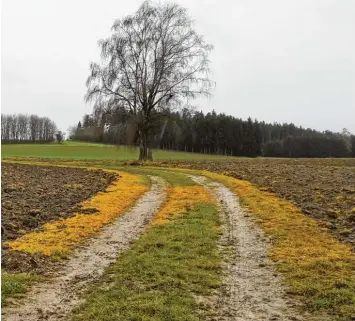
22, 129
219, 134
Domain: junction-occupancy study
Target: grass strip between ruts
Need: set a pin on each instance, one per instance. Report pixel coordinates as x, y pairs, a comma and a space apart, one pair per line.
176, 259
159, 276
316, 267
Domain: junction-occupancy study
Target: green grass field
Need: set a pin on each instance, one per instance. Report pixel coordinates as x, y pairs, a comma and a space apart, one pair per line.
81, 150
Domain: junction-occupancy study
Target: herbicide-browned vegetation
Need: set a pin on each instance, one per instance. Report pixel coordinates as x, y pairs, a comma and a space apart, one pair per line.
34, 195
47, 211
323, 188
311, 272
149, 209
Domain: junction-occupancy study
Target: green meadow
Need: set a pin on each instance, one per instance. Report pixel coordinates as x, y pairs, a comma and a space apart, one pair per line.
81, 150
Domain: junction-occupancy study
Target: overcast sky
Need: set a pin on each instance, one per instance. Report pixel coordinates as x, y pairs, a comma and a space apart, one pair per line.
275, 60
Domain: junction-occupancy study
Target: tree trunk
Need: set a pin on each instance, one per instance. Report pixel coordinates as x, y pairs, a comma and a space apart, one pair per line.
145, 153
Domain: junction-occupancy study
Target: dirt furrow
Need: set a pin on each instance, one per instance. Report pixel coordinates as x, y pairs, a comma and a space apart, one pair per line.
251, 289
53, 300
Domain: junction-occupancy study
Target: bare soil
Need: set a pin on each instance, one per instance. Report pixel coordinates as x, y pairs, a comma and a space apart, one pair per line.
54, 299
32, 195
251, 288
323, 188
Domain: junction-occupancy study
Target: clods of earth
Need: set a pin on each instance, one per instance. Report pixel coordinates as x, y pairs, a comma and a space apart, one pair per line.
323, 188
33, 195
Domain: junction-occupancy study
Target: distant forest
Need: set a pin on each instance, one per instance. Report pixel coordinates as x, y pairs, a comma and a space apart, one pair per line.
23, 129
219, 134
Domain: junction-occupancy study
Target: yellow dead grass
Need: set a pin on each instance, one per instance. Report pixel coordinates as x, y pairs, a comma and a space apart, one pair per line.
316, 266
57, 238
180, 200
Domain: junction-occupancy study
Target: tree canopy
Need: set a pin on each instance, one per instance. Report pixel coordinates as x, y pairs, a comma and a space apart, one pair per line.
153, 62
21, 128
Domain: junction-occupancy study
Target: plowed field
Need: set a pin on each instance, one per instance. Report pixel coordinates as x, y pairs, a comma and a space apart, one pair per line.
33, 195
323, 188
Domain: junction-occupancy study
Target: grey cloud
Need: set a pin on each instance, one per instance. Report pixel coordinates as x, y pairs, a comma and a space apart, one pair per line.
277, 60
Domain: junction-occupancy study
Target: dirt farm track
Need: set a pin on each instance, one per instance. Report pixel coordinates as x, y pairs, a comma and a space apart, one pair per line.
242, 239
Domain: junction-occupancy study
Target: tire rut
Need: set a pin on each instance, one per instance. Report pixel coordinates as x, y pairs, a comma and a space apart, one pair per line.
251, 289
55, 299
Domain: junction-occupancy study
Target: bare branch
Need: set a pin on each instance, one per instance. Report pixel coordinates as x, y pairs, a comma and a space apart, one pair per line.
152, 60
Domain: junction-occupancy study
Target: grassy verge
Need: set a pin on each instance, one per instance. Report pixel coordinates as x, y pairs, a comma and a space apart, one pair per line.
175, 260
15, 284
58, 238
317, 268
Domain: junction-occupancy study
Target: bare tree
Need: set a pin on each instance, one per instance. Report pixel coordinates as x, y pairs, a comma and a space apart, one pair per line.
72, 131
3, 126
24, 128
14, 127
154, 61
34, 124
346, 136
23, 123
49, 129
